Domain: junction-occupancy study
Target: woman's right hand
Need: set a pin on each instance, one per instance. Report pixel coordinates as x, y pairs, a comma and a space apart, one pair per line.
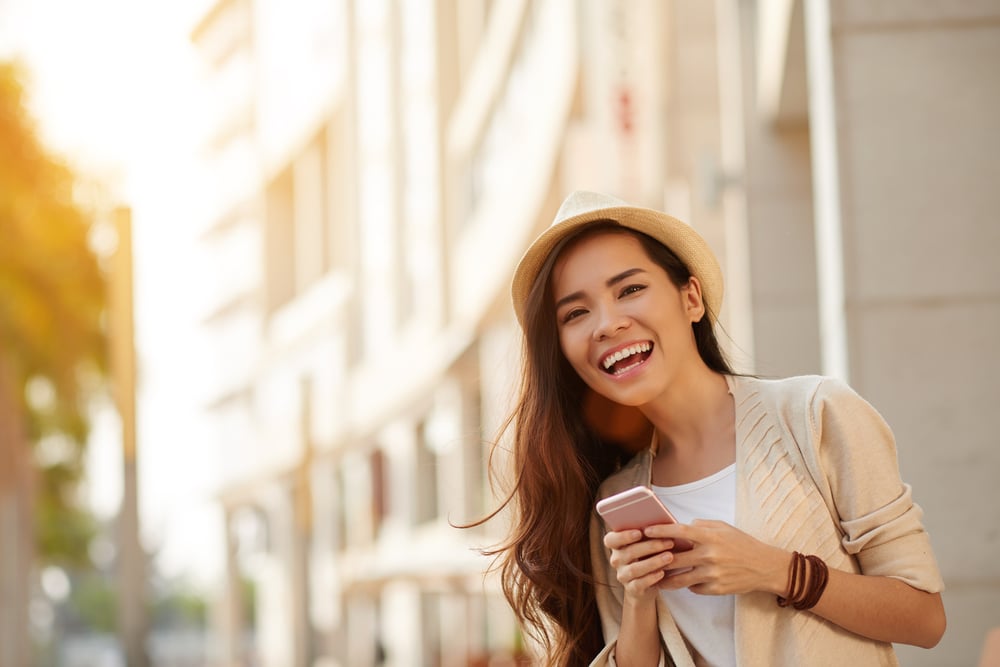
639, 563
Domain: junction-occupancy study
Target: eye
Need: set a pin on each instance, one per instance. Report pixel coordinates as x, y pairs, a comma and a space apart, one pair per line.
631, 289
572, 314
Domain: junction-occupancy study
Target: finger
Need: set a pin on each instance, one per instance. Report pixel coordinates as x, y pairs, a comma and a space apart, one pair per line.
684, 562
640, 585
671, 531
622, 538
706, 588
638, 551
648, 547
689, 557
677, 577
641, 569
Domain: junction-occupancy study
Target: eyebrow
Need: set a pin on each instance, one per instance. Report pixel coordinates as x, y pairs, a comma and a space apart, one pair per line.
610, 282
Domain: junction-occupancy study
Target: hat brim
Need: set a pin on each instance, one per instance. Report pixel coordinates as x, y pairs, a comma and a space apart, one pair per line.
677, 235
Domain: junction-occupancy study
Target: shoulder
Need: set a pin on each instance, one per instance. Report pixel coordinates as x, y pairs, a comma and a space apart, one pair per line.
796, 385
816, 408
807, 406
798, 391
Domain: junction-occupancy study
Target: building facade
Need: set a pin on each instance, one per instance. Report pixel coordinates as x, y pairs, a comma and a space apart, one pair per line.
380, 167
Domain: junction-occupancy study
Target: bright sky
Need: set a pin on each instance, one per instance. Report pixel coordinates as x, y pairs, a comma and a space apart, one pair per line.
114, 87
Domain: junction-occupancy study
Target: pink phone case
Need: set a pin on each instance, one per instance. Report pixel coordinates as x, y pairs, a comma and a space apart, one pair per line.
637, 507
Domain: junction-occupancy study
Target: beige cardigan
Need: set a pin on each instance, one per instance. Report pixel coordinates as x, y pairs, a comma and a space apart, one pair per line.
816, 472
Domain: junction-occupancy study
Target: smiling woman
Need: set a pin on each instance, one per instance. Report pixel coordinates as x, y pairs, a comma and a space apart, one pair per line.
803, 548
618, 310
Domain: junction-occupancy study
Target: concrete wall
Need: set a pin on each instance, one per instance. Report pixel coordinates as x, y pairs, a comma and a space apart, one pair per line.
918, 121
778, 182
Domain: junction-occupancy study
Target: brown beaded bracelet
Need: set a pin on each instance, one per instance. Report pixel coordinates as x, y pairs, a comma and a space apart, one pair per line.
807, 578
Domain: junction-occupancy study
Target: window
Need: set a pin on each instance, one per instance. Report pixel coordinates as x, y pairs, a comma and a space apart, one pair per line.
339, 512
310, 210
280, 241
379, 489
475, 452
427, 508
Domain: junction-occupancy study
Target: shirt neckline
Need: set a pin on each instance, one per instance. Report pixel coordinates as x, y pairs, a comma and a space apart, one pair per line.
688, 487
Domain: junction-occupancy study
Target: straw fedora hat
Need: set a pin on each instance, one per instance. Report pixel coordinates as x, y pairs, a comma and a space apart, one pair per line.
582, 207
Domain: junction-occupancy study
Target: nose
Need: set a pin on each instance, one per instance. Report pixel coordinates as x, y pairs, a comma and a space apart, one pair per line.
610, 322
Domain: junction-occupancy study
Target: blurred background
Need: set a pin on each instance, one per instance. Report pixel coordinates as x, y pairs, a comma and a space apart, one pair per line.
255, 334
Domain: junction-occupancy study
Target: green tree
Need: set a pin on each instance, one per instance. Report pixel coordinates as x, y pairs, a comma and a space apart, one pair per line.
52, 354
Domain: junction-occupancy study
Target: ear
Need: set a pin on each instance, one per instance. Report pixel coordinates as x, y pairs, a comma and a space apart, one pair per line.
694, 305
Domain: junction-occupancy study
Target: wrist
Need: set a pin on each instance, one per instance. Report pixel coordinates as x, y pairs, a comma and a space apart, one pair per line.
642, 603
776, 581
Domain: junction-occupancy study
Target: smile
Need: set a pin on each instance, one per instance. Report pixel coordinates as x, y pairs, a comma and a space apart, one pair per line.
627, 358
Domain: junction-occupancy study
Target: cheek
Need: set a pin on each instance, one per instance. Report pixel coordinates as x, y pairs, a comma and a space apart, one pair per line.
574, 348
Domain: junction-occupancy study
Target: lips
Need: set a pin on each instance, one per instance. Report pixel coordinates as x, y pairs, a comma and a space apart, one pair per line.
626, 358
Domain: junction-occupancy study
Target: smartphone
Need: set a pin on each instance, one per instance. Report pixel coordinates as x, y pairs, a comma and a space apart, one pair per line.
637, 507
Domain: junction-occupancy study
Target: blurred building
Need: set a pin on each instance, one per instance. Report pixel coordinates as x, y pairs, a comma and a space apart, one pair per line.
379, 167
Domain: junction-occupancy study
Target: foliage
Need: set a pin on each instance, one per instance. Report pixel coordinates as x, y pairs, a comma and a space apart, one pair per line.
180, 609
92, 607
93, 604
52, 300
249, 593
63, 529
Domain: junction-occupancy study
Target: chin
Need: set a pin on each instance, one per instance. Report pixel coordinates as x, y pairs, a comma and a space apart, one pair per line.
629, 398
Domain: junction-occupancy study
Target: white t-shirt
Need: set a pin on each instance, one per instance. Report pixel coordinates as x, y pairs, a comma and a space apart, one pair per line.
706, 621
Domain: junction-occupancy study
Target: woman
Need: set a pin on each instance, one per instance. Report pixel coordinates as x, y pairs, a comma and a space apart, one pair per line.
808, 549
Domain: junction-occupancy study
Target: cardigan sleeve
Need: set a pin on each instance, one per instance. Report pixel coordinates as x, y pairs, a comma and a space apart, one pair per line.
609, 605
608, 593
881, 523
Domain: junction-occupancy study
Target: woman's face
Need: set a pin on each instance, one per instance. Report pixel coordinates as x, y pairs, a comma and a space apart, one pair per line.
623, 325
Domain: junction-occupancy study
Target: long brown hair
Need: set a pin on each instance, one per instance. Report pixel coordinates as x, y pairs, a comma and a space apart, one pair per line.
559, 461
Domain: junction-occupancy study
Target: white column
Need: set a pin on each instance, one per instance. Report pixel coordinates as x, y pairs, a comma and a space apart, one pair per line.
730, 174
826, 190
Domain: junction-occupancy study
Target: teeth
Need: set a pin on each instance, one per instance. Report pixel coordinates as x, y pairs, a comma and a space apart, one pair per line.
612, 359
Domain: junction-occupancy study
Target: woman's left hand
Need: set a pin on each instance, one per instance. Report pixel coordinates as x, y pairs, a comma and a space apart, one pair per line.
724, 560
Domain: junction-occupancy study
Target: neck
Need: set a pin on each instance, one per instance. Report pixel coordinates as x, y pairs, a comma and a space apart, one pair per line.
693, 413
